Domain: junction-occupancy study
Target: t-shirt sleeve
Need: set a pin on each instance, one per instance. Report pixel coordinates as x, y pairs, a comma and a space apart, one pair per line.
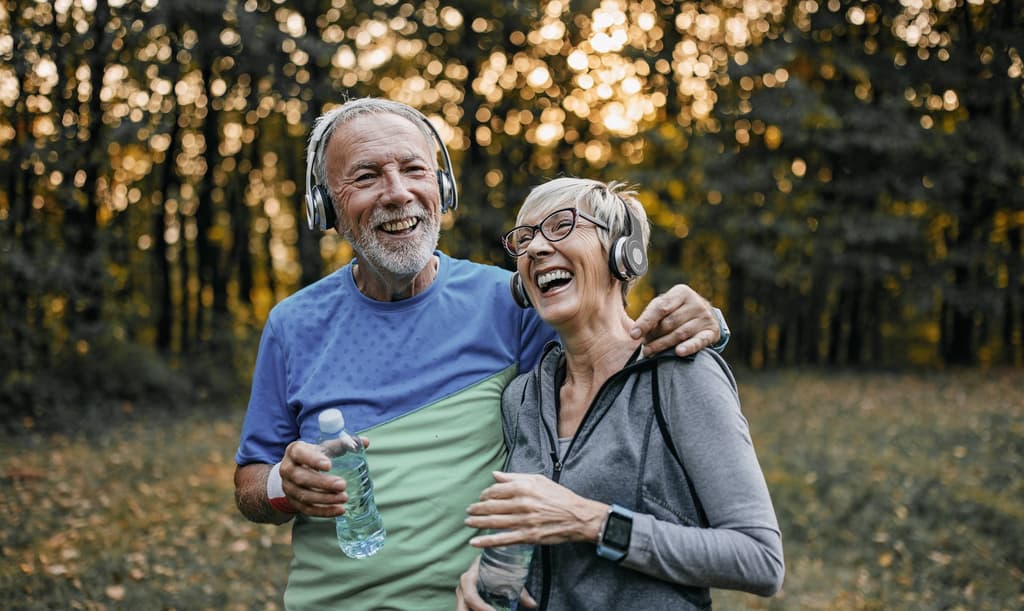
270, 424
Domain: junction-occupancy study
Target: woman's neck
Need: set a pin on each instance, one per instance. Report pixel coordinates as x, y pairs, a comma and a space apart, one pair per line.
593, 353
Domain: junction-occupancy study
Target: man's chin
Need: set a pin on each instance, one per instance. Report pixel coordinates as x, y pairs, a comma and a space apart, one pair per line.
398, 263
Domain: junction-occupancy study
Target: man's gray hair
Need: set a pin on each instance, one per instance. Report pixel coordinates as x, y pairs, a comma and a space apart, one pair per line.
325, 125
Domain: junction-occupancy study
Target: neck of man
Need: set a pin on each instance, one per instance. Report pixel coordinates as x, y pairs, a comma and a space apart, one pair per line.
382, 285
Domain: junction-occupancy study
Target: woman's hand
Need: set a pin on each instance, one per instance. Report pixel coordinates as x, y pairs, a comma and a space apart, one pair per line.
530, 508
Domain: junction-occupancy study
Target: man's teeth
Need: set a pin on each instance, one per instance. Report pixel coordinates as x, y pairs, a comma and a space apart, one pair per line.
399, 225
546, 279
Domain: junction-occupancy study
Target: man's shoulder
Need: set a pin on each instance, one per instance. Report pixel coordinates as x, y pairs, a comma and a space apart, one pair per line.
465, 267
325, 290
479, 279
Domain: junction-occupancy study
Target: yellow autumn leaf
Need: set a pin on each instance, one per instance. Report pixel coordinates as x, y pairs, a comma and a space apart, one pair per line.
115, 592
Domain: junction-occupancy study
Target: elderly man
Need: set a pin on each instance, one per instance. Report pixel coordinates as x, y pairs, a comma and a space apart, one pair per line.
415, 347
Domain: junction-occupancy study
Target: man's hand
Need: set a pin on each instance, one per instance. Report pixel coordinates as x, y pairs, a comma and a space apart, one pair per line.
308, 485
679, 318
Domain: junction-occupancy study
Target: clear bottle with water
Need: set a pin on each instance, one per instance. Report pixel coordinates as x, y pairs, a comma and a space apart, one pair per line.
360, 529
502, 574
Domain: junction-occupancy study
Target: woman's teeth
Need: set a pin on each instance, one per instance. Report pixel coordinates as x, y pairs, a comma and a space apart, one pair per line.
547, 279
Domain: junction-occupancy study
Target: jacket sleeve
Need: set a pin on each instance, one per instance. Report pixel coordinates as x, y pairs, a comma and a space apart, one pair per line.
742, 547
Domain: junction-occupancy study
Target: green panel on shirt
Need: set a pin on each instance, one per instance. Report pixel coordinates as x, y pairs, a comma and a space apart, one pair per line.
427, 467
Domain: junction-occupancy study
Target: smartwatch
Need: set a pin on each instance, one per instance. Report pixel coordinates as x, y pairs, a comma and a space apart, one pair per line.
613, 542
723, 331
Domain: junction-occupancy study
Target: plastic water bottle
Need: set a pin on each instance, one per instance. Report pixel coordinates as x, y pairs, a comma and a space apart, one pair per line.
503, 573
360, 529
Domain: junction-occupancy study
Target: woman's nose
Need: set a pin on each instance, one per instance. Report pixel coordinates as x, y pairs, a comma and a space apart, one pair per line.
538, 246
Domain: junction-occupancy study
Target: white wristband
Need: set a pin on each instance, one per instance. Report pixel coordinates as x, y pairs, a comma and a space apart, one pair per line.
275, 491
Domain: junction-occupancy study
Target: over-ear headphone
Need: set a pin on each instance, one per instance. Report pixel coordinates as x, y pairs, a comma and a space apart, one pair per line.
515, 284
320, 214
627, 258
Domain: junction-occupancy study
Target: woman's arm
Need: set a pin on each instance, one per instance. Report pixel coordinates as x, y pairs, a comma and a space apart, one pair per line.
742, 547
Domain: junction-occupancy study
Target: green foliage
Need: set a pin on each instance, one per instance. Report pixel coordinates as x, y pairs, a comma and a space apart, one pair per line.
843, 179
854, 170
97, 381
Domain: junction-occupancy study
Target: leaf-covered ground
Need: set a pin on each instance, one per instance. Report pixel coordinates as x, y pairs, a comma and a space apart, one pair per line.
894, 491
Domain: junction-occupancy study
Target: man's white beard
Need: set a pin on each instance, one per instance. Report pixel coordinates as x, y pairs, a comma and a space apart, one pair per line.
404, 258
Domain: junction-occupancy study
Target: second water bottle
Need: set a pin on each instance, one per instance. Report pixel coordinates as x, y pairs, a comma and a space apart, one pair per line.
360, 529
503, 572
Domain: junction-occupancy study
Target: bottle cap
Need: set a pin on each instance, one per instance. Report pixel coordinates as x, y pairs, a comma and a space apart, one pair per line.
331, 420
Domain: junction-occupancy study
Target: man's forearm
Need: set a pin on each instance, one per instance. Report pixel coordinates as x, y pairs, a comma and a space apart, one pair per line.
251, 495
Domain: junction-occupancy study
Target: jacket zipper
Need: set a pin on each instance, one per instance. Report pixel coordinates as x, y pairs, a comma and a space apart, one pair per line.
545, 550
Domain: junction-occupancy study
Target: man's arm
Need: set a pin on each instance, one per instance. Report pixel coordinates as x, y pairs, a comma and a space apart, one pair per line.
251, 495
680, 318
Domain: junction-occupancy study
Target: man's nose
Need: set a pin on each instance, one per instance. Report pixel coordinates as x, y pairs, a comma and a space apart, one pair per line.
396, 188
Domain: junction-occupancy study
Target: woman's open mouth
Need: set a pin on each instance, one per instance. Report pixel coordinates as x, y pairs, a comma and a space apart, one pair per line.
550, 281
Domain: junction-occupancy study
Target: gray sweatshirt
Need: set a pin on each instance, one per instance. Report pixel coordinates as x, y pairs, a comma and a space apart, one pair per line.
706, 524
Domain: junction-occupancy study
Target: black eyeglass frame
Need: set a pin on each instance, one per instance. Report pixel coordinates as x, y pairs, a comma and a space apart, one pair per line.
576, 215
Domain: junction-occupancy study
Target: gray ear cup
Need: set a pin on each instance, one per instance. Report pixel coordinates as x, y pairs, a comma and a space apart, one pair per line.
446, 188
320, 215
515, 284
446, 176
627, 257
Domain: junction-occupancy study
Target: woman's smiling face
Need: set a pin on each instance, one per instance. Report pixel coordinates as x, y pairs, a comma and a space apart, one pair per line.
569, 279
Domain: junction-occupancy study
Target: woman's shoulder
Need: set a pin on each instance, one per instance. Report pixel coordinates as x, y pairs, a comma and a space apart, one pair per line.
703, 372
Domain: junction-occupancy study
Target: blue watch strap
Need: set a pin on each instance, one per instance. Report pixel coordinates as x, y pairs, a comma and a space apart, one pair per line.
723, 331
616, 533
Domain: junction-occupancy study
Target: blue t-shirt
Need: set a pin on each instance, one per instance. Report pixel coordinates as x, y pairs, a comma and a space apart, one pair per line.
422, 378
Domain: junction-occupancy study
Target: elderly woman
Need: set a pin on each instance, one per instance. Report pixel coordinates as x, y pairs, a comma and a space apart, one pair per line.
649, 492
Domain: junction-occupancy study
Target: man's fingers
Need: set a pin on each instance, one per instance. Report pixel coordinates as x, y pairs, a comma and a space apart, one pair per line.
655, 312
683, 339
695, 344
302, 454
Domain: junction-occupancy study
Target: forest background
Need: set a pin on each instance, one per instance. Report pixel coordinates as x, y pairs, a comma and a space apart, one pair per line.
845, 179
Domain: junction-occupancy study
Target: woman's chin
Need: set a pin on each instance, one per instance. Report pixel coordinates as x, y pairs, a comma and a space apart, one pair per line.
558, 312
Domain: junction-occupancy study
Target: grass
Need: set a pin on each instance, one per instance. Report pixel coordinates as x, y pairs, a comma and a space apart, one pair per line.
894, 491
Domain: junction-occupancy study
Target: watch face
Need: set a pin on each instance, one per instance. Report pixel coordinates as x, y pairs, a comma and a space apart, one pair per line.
618, 530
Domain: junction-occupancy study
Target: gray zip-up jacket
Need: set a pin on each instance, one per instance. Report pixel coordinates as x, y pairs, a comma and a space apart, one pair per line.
708, 523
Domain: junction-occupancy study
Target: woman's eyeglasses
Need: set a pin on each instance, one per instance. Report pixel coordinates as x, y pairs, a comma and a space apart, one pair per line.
555, 227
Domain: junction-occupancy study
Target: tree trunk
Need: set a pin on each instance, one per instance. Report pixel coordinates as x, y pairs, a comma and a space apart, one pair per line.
81, 223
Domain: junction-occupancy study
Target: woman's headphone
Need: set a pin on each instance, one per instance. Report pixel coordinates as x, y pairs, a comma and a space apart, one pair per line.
627, 258
320, 213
